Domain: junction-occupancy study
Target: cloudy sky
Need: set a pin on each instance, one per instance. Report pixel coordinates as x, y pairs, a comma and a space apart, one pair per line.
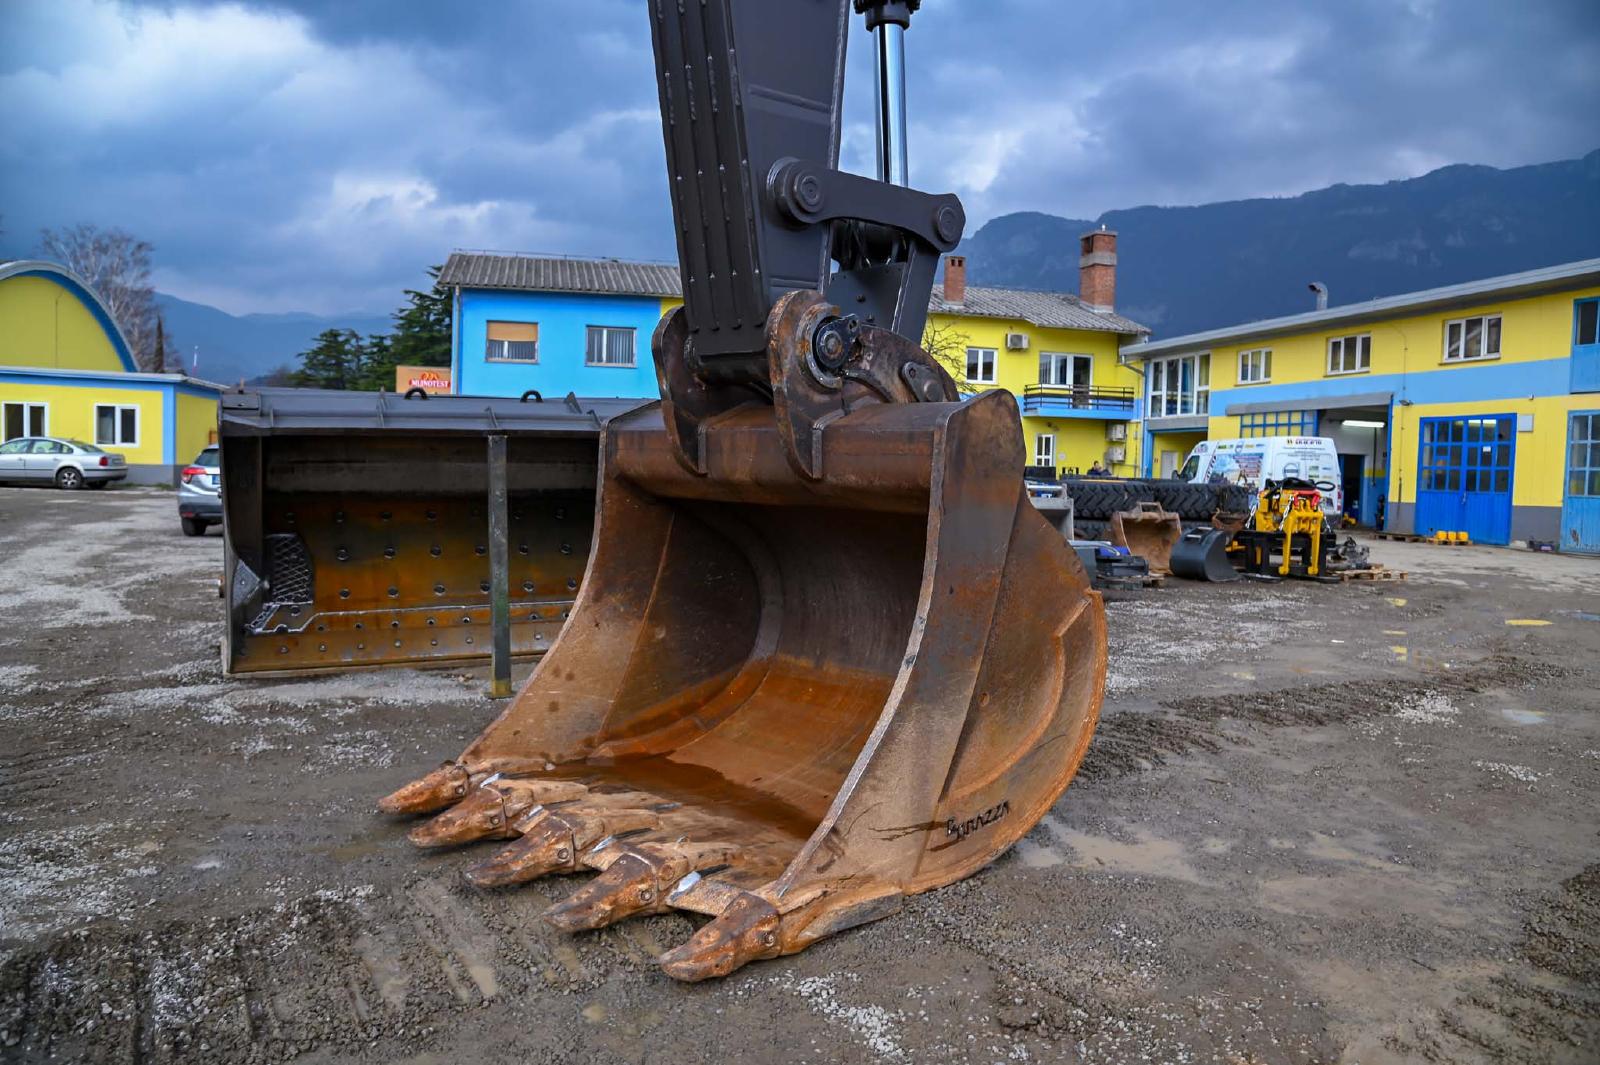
317, 155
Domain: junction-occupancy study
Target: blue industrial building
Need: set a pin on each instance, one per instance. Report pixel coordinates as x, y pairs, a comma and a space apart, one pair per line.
555, 325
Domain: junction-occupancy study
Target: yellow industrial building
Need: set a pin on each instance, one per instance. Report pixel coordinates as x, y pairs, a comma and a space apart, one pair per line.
66, 371
1055, 352
1471, 408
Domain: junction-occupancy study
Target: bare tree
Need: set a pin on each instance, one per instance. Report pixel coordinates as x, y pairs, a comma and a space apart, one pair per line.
116, 265
948, 345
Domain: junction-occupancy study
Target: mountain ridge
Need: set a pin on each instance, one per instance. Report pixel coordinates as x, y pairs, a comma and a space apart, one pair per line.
1182, 269
1192, 268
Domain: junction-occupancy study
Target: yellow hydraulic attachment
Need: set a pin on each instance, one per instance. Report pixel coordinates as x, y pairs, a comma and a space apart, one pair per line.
1284, 512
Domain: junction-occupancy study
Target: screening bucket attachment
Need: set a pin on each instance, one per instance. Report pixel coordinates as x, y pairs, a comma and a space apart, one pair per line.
357, 531
826, 654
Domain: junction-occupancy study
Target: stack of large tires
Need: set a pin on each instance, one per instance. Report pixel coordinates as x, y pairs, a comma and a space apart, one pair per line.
1096, 499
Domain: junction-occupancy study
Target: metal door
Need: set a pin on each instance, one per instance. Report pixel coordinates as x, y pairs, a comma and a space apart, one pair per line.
1464, 476
1580, 505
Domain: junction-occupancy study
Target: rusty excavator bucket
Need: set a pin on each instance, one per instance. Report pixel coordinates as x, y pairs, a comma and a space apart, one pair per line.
825, 653
1150, 532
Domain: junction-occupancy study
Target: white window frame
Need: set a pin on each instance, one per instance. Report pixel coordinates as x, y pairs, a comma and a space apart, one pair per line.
1363, 354
605, 332
116, 422
1255, 366
1071, 360
994, 361
1459, 326
1191, 398
26, 405
1039, 458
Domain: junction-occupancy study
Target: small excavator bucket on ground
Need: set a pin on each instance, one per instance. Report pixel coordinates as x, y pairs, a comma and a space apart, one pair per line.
1149, 532
357, 528
826, 654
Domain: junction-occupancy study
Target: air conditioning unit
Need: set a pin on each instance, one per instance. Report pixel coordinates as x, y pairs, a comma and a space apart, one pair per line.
1116, 430
1116, 453
1016, 341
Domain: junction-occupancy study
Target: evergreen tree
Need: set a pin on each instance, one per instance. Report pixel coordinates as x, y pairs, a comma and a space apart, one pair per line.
422, 327
377, 364
335, 361
421, 337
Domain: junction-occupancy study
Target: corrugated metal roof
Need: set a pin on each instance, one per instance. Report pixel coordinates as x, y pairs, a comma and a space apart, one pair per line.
615, 277
1582, 273
1047, 310
532, 273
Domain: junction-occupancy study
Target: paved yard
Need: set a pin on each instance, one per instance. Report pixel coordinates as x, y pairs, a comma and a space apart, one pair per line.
1318, 823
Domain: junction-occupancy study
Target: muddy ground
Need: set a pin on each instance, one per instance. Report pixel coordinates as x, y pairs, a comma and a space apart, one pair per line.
1318, 823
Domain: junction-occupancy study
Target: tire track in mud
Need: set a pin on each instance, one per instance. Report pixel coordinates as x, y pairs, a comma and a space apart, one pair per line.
1543, 1011
1131, 741
326, 970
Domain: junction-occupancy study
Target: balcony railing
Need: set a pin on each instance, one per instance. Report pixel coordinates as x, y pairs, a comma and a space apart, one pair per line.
1036, 398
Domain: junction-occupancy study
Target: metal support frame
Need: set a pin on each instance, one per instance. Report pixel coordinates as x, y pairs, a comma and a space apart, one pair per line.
499, 572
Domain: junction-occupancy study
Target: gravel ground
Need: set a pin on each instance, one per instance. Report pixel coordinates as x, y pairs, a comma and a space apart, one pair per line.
1318, 823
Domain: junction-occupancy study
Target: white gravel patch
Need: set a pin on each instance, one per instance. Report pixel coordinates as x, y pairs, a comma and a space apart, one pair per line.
1427, 708
1520, 773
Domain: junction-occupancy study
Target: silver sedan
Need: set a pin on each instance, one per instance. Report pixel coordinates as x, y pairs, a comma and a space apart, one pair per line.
64, 463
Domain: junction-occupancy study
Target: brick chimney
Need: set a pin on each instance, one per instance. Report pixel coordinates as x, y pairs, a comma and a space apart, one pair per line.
955, 279
1097, 270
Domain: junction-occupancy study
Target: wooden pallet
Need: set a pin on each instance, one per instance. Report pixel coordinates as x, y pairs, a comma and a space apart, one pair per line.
1405, 538
1371, 573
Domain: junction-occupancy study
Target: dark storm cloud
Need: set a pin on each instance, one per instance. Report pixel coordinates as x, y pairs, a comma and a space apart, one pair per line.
318, 155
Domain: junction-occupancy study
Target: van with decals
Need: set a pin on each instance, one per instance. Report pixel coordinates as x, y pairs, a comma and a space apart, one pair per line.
1269, 458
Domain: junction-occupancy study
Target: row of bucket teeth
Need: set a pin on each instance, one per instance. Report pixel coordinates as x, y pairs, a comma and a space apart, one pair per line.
646, 863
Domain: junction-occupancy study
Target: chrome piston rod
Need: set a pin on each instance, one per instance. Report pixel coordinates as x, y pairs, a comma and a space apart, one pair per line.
892, 156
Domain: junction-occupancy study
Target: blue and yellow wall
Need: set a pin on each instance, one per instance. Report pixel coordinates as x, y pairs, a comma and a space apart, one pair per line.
1535, 380
61, 351
561, 365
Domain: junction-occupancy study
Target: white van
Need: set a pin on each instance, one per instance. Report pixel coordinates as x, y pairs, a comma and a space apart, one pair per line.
1268, 458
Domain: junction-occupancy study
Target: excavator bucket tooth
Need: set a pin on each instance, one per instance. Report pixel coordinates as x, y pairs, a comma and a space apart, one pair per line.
748, 930
356, 525
490, 811
864, 685
553, 841
431, 793
637, 879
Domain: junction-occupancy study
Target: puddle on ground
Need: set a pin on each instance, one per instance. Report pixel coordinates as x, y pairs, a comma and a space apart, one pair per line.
1035, 856
1330, 848
1584, 615
1522, 717
1148, 856
354, 850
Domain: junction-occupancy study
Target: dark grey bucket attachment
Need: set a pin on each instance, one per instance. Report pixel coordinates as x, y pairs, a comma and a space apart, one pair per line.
1202, 555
